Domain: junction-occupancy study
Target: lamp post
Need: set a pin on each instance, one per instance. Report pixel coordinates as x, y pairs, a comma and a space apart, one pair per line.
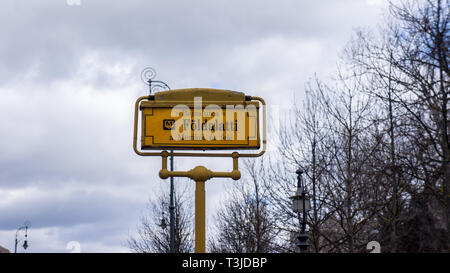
25, 243
163, 223
301, 204
147, 76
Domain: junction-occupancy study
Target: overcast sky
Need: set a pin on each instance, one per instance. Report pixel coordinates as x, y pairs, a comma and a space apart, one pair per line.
70, 74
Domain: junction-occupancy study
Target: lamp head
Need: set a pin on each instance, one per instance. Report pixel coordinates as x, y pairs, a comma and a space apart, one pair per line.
163, 223
298, 202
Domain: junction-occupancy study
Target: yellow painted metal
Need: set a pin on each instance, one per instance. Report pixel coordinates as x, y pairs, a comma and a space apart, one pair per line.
200, 227
156, 136
199, 119
199, 174
200, 154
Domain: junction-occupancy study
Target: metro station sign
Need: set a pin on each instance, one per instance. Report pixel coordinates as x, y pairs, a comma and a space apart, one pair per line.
199, 119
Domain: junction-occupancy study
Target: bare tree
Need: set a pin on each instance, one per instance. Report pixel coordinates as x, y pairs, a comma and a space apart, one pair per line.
411, 57
153, 235
300, 145
375, 144
352, 191
243, 224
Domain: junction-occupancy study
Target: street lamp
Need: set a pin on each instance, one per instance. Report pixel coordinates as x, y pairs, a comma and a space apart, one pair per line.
147, 76
163, 223
25, 227
301, 203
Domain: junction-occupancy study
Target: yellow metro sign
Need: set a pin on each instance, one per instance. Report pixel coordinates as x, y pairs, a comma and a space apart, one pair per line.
200, 118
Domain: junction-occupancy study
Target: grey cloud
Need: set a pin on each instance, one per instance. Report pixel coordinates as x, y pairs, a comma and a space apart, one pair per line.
54, 35
62, 210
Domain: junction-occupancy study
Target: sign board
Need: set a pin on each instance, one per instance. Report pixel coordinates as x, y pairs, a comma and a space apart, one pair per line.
200, 119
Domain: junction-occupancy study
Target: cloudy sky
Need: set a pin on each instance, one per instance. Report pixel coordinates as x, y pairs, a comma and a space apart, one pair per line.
69, 76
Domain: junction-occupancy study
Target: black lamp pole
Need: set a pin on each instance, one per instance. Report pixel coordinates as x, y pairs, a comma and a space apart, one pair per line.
25, 243
147, 76
303, 236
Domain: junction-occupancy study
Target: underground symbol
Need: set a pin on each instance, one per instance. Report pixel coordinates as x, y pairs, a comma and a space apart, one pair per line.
168, 124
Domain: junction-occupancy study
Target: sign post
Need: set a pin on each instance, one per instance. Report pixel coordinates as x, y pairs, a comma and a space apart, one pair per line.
199, 119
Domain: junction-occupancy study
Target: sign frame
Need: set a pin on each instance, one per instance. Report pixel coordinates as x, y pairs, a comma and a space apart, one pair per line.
235, 127
179, 96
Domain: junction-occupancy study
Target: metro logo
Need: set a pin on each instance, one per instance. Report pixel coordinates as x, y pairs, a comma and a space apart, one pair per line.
168, 124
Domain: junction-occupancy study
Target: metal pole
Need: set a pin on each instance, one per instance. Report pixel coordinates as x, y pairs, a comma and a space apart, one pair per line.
304, 210
171, 203
303, 236
199, 174
171, 210
16, 241
200, 216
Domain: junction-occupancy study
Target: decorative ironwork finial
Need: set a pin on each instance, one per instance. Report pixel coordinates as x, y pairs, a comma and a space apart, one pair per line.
147, 76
